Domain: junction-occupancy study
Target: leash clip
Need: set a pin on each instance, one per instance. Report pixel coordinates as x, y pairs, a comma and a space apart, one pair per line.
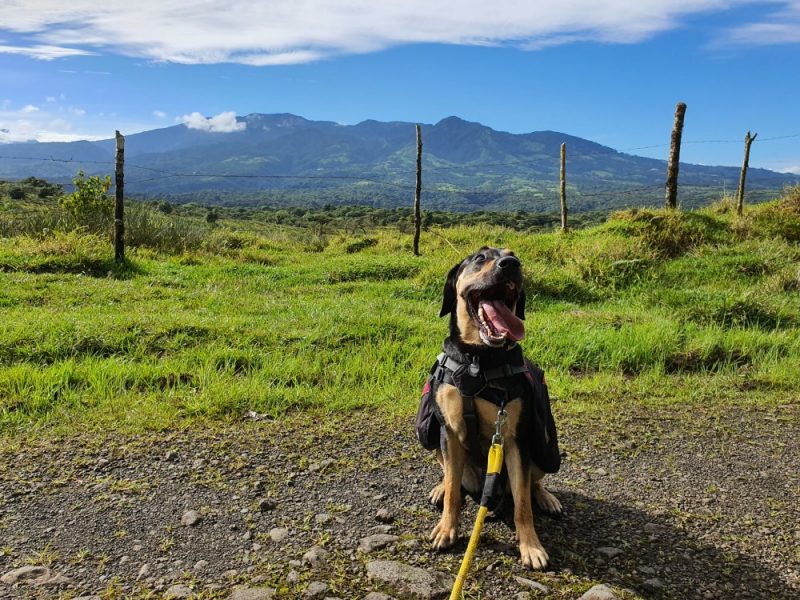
502, 417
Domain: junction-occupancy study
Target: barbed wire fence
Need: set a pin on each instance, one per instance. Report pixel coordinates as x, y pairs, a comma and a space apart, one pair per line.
440, 183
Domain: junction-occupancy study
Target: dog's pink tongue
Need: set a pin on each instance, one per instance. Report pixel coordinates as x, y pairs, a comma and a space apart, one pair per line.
503, 320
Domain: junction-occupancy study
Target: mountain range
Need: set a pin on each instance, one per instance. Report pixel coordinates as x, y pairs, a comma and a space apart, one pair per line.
284, 159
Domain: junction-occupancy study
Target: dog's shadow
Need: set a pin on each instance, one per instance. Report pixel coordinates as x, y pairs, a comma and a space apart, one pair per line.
628, 548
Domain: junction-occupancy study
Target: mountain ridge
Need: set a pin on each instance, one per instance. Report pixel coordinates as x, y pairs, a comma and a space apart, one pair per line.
287, 159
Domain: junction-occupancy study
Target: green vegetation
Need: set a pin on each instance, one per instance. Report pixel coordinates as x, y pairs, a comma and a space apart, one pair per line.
209, 320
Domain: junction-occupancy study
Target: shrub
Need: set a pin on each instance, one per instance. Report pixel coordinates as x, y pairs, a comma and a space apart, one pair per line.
89, 203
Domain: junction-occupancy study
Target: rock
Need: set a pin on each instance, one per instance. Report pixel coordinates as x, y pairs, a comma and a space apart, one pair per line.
321, 465
381, 529
316, 589
384, 515
654, 584
609, 551
92, 597
532, 585
178, 591
25, 575
171, 456
376, 542
600, 592
322, 519
53, 581
377, 596
137, 547
292, 577
266, 505
251, 593
200, 565
144, 571
279, 534
316, 556
247, 535
191, 518
409, 580
646, 570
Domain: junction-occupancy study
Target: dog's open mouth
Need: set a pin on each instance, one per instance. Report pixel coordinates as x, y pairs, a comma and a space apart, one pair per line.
492, 310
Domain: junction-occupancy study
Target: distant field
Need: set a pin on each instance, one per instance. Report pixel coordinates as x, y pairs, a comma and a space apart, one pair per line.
650, 308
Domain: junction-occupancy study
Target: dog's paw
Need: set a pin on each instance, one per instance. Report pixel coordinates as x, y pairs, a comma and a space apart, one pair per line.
443, 536
436, 496
545, 500
534, 556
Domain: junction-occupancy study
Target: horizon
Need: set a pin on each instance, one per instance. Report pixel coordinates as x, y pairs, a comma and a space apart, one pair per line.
611, 74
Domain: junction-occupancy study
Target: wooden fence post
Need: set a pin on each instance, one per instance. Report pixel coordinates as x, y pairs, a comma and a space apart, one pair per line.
119, 194
748, 139
563, 187
418, 192
671, 200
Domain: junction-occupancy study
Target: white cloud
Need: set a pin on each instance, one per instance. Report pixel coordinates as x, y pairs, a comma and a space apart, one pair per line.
159, 114
24, 125
288, 32
224, 122
780, 26
30, 108
78, 112
44, 52
50, 98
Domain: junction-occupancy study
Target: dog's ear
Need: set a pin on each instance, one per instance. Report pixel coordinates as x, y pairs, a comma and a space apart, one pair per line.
449, 295
519, 309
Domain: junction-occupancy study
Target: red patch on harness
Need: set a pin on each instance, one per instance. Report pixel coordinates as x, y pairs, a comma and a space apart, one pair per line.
427, 388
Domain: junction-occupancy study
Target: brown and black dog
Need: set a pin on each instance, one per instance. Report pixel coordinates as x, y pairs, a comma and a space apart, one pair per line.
485, 300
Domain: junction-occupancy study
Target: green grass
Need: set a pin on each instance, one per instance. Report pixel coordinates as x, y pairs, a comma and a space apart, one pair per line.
650, 308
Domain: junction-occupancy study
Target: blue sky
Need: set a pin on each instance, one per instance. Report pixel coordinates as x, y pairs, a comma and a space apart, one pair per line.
608, 71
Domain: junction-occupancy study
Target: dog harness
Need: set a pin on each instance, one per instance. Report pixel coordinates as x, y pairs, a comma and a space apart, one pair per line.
514, 377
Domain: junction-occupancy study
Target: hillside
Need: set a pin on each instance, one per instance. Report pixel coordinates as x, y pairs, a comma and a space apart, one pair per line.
288, 160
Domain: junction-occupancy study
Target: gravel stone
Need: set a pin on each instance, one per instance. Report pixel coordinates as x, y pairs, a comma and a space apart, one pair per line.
316, 556
252, 593
384, 515
376, 542
279, 534
28, 574
414, 581
266, 505
191, 518
654, 584
377, 596
316, 589
532, 585
609, 551
600, 592
178, 592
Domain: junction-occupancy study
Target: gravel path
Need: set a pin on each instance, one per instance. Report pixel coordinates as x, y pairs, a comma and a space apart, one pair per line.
689, 504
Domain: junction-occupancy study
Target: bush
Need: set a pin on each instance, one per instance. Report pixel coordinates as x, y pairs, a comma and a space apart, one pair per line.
89, 203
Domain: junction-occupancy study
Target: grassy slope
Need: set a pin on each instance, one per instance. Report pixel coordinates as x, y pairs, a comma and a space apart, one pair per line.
649, 308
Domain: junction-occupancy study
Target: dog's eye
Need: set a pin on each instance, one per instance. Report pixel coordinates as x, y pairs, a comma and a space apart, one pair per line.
480, 258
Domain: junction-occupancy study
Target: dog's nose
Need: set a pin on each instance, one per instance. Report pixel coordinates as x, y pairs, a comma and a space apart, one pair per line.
509, 263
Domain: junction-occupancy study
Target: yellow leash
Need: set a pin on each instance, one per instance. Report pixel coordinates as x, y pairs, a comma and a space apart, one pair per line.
493, 469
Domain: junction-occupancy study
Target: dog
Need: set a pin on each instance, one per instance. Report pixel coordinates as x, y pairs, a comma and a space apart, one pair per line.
485, 299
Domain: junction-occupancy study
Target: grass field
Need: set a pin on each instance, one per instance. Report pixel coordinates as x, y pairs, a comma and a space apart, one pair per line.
651, 307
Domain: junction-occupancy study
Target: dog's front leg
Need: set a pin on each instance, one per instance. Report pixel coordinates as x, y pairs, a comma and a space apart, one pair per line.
531, 550
445, 533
